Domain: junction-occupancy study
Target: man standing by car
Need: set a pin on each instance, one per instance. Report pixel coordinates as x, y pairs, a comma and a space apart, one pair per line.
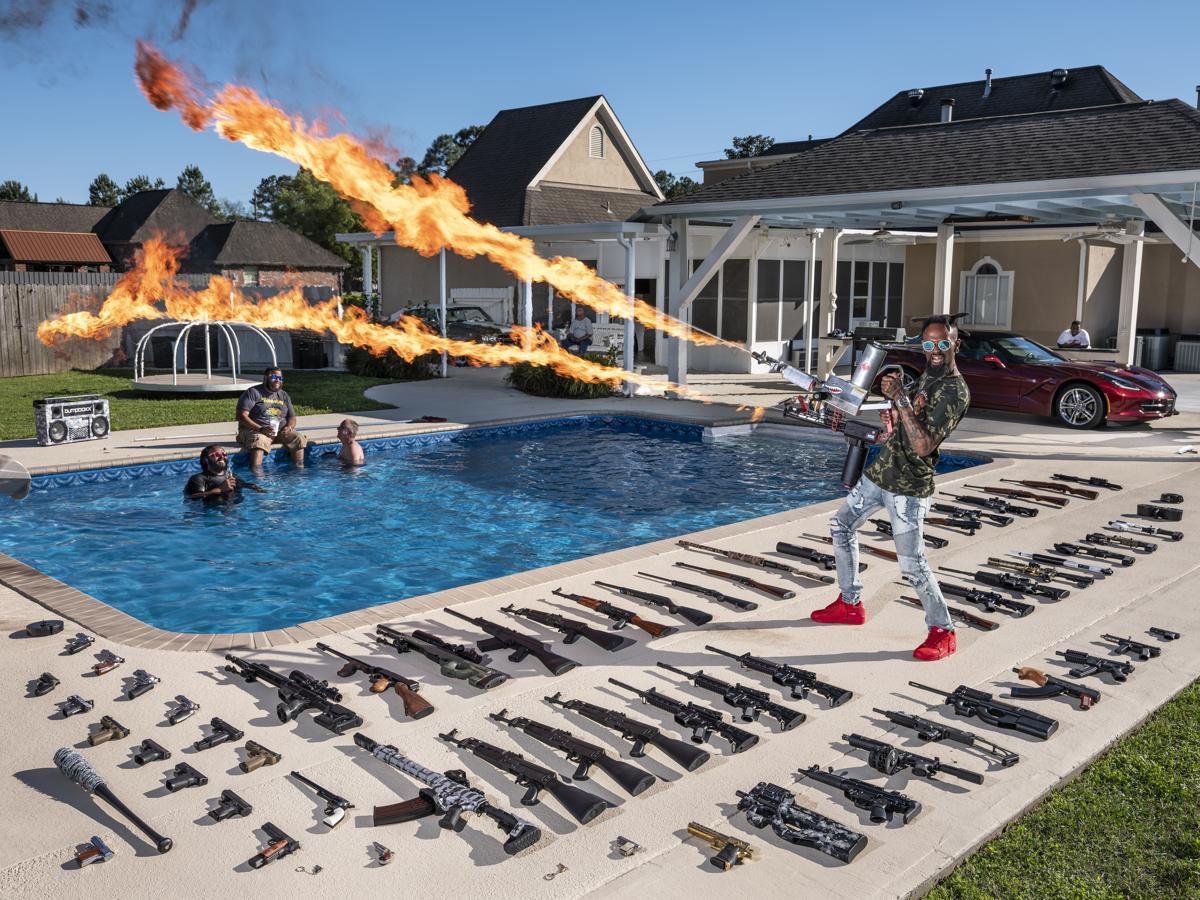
265, 417
580, 332
900, 480
1074, 338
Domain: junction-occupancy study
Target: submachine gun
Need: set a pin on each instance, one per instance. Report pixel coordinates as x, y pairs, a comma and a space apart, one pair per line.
882, 804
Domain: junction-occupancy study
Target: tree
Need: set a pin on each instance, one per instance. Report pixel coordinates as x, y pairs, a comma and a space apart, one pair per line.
103, 191
14, 190
141, 183
404, 168
750, 145
262, 201
311, 207
193, 183
675, 186
232, 210
446, 149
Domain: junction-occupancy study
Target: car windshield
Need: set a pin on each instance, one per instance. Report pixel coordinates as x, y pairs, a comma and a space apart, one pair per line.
468, 314
1024, 350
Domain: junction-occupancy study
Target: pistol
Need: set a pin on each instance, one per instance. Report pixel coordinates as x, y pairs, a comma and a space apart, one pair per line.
731, 851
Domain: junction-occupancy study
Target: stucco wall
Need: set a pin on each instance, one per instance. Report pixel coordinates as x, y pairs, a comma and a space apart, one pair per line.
576, 166
409, 278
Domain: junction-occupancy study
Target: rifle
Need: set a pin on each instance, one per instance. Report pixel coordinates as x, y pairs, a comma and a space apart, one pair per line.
1084, 493
888, 760
885, 528
1049, 560
799, 681
415, 706
641, 734
699, 719
1114, 540
695, 616
572, 628
335, 806
582, 806
630, 778
1086, 664
956, 612
521, 645
826, 561
621, 616
1153, 531
1094, 553
990, 601
970, 702
1056, 502
454, 660
749, 701
781, 593
995, 504
882, 804
1010, 582
881, 552
935, 732
298, 692
1049, 686
768, 804
1093, 481
1039, 572
731, 851
711, 593
760, 561
1128, 645
449, 794
967, 526
957, 512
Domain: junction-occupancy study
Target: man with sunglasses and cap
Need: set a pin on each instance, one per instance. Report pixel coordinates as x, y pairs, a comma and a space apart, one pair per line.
900, 480
265, 417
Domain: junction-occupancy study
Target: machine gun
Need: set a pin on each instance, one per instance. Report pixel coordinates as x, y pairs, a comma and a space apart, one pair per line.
415, 706
957, 512
1153, 531
582, 806
710, 593
695, 616
1094, 553
521, 645
1049, 686
1116, 540
744, 581
882, 804
827, 560
888, 760
749, 702
621, 616
769, 805
936, 732
1141, 650
298, 692
630, 778
700, 720
641, 734
995, 504
799, 681
1043, 499
1086, 664
989, 601
1092, 481
883, 526
760, 561
454, 660
970, 702
572, 628
1084, 493
1011, 582
1038, 572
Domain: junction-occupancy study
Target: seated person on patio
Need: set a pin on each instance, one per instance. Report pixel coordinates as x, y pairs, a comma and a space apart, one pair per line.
1074, 337
265, 416
351, 453
580, 333
214, 481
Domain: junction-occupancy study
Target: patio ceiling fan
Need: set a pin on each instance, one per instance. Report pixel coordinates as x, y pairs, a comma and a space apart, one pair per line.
881, 236
1112, 234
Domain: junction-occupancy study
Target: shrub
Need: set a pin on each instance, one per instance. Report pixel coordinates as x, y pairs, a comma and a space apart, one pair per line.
360, 361
542, 381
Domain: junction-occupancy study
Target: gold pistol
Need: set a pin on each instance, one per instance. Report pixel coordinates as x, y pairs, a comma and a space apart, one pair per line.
730, 850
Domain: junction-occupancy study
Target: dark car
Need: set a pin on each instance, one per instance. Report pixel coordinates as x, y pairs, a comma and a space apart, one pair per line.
464, 323
1009, 372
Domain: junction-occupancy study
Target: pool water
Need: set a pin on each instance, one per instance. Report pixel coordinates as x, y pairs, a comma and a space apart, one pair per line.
416, 518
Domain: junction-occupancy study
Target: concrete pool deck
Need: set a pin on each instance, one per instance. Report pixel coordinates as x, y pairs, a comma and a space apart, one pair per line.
873, 661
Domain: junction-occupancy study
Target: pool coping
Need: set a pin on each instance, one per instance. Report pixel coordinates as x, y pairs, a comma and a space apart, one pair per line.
111, 623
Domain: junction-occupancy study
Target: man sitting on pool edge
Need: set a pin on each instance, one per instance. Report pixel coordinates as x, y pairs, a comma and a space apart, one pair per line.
265, 417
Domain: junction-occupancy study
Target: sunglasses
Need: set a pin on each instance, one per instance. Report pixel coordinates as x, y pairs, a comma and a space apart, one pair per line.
942, 345
280, 377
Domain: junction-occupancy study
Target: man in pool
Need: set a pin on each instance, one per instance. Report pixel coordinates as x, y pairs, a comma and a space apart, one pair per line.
214, 481
900, 480
351, 453
265, 417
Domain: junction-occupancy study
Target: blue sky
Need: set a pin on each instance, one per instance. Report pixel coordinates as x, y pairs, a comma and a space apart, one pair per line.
683, 77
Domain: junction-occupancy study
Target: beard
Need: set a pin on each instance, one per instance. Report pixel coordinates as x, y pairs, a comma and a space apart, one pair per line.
214, 467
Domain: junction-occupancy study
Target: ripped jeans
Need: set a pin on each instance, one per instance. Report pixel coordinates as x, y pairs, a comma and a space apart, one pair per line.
907, 515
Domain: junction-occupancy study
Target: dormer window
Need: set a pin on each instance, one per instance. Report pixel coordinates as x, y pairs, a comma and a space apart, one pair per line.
596, 142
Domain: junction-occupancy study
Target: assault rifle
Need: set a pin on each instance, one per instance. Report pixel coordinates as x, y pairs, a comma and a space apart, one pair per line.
990, 601
798, 681
888, 760
1038, 572
695, 616
450, 794
1094, 553
1086, 664
1093, 481
770, 805
298, 692
828, 560
1044, 500
621, 616
882, 804
935, 732
1049, 686
641, 734
962, 615
749, 701
521, 645
1011, 582
995, 504
759, 561
1085, 493
1128, 645
1049, 560
582, 806
957, 512
700, 720
884, 527
454, 660
781, 593
1122, 525
415, 706
710, 593
970, 702
631, 779
1116, 540
572, 628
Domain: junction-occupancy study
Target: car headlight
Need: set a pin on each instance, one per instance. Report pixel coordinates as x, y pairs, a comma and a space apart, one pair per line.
489, 339
1121, 382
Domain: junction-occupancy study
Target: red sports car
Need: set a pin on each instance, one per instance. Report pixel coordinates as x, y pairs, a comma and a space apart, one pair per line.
1009, 372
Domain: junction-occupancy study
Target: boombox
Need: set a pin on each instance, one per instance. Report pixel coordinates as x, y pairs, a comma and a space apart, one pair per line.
64, 420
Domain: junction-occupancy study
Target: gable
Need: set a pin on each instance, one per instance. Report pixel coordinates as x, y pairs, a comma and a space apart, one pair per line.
576, 165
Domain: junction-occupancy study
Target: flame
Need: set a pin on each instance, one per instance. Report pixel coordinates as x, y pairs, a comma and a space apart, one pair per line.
757, 415
427, 215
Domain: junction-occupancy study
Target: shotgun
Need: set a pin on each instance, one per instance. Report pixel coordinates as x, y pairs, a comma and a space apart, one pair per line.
881, 552
621, 616
760, 561
781, 593
695, 616
1092, 481
1085, 493
962, 615
1044, 500
710, 593
824, 560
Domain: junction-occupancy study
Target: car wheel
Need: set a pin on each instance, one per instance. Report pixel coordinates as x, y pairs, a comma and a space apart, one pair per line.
1080, 406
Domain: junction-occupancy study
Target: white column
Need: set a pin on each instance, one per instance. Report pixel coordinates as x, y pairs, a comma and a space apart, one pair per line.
1131, 282
1081, 288
442, 293
829, 265
943, 269
630, 269
368, 293
527, 303
549, 307
810, 281
660, 294
677, 348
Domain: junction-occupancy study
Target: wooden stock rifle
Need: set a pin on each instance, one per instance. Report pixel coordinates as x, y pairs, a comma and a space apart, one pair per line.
1085, 493
1058, 502
881, 552
781, 593
760, 561
957, 612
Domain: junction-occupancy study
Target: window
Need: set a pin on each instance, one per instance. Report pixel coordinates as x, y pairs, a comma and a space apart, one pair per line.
793, 300
250, 276
596, 142
766, 304
704, 307
986, 295
735, 299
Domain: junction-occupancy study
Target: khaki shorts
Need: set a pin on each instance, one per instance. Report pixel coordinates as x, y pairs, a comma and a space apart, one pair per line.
256, 440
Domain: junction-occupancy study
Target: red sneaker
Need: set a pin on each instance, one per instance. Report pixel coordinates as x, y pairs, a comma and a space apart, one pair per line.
839, 612
940, 644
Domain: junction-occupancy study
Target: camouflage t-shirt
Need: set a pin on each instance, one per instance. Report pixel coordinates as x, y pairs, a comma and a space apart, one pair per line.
939, 403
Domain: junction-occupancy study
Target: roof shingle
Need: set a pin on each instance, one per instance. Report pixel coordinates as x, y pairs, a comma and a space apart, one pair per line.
554, 205
50, 216
53, 247
259, 244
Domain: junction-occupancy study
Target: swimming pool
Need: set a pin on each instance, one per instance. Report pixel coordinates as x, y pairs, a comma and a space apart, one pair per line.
426, 513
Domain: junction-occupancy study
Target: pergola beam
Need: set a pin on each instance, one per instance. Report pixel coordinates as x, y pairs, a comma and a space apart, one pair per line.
1179, 231
721, 252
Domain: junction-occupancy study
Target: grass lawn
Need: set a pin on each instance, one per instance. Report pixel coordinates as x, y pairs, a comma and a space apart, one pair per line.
1128, 826
311, 392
